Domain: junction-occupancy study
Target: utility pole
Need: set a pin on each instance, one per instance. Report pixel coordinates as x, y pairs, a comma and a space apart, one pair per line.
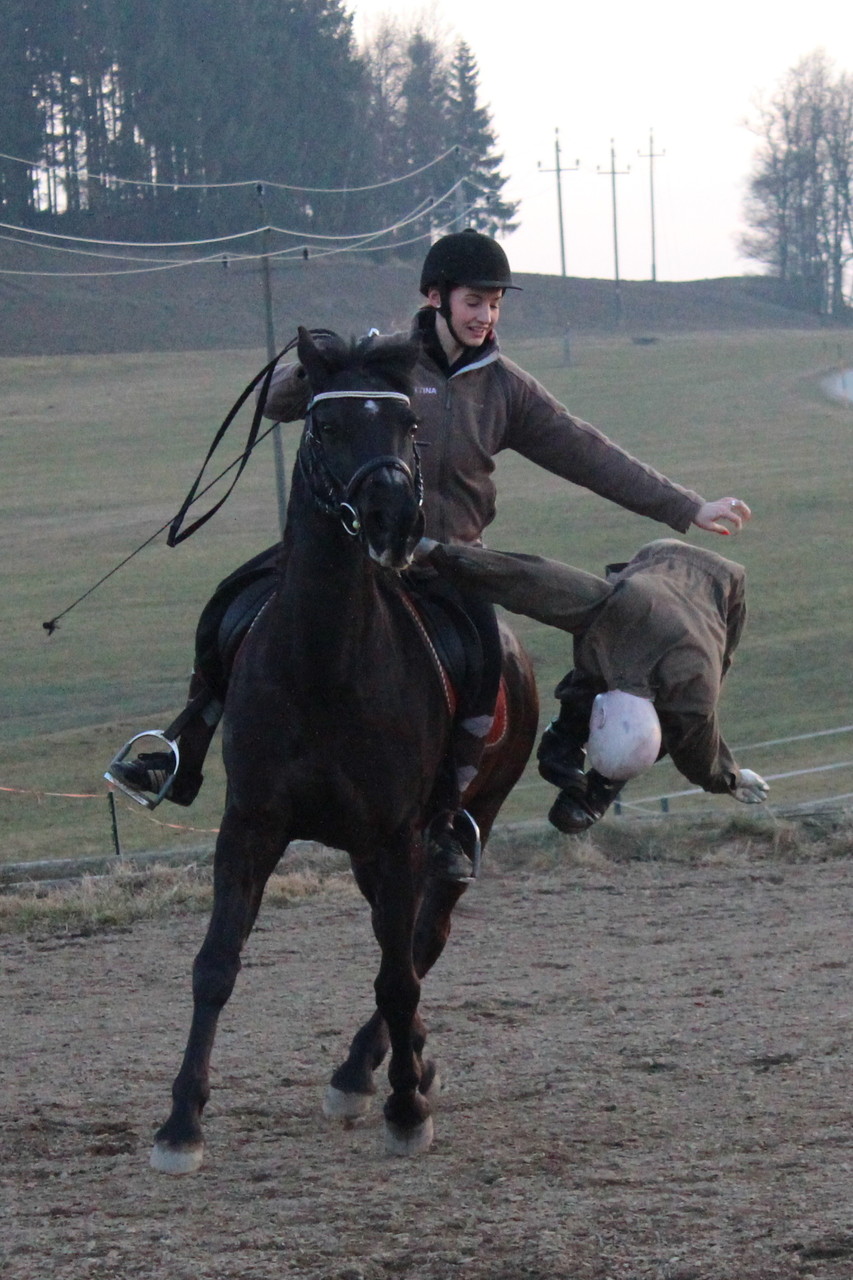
651, 157
559, 171
277, 442
615, 173
460, 192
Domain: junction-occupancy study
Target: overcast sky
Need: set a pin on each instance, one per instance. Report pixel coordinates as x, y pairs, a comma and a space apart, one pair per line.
619, 69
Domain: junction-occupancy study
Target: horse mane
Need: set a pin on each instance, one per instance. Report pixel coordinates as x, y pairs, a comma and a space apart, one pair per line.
388, 358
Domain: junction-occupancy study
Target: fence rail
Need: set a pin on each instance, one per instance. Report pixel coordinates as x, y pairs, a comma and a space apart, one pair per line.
639, 806
663, 800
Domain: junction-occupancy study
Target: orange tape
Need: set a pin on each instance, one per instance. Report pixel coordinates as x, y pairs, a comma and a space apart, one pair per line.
99, 795
65, 795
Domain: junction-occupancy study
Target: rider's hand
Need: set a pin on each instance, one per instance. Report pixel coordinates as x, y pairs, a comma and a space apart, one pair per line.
733, 510
751, 788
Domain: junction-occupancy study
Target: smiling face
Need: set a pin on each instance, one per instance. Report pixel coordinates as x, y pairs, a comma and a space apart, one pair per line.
473, 313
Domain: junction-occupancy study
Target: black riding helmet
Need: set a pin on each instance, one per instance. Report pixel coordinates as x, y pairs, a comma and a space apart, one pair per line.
466, 258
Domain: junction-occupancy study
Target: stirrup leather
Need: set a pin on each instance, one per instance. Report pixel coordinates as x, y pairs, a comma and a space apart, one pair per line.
117, 783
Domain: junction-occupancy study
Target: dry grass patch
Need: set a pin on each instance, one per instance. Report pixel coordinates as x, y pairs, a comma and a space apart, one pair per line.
130, 893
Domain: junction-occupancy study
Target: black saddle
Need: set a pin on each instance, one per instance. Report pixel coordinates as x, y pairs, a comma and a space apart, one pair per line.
235, 604
228, 615
452, 632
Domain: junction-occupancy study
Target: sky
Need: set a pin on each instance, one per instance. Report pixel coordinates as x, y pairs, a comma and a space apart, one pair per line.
690, 75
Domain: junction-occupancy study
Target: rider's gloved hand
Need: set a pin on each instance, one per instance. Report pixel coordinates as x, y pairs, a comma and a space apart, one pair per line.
751, 788
423, 549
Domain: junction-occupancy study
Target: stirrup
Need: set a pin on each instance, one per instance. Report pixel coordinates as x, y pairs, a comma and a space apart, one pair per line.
470, 839
117, 784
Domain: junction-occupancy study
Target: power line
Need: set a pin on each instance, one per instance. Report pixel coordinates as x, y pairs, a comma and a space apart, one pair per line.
362, 245
420, 210
66, 172
134, 244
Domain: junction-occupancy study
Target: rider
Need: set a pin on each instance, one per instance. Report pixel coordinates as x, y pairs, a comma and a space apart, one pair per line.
471, 402
652, 644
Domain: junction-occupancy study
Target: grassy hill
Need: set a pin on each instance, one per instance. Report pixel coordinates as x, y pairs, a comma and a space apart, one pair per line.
211, 306
98, 451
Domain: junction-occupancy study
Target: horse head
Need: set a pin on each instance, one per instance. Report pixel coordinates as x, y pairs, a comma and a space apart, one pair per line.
358, 452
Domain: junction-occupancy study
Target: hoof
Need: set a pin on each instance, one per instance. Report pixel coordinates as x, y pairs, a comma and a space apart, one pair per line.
338, 1105
408, 1142
166, 1159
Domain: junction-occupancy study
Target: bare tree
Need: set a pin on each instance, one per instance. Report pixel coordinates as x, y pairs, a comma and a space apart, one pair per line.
799, 202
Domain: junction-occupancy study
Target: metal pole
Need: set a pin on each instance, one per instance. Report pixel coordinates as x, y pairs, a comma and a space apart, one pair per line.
559, 171
560, 201
460, 193
277, 442
652, 156
614, 173
111, 800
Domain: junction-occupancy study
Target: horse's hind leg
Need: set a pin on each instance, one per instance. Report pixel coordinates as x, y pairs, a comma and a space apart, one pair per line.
243, 863
352, 1087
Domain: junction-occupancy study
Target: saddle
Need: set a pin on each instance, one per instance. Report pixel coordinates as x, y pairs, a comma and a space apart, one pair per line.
228, 617
238, 600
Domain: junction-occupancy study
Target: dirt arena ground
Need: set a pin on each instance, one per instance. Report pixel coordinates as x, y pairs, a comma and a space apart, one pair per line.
646, 1074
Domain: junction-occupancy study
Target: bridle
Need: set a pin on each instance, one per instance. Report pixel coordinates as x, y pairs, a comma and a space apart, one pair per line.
334, 497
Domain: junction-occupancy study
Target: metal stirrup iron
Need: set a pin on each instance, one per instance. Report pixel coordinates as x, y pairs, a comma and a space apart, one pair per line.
117, 783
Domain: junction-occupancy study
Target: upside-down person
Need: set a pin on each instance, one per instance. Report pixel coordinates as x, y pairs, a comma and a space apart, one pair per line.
652, 644
471, 403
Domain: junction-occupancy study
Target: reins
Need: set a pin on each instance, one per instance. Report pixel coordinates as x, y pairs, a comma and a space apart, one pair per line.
174, 524
176, 533
337, 500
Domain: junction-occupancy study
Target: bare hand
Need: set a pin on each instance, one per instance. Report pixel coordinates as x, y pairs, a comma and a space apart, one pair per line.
733, 510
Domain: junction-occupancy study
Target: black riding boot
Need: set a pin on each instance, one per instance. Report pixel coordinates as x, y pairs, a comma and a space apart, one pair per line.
148, 771
579, 806
561, 750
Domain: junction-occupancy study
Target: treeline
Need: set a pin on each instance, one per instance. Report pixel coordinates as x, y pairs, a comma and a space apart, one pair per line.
168, 101
800, 202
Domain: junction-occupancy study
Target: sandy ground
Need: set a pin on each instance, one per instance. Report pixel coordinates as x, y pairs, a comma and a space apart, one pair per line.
646, 1074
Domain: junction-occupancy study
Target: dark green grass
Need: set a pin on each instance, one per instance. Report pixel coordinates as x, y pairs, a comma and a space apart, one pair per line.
98, 451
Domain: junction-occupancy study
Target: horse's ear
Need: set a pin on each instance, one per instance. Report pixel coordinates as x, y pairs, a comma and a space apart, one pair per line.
318, 360
394, 356
310, 357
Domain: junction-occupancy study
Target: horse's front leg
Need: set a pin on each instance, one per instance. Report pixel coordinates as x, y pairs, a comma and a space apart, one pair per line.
244, 860
408, 1123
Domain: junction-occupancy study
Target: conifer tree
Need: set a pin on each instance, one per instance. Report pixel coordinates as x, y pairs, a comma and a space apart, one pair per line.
469, 126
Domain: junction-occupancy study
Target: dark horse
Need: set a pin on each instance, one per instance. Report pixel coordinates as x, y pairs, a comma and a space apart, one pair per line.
336, 728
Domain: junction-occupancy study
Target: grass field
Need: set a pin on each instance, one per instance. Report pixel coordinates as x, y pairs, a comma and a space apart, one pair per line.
99, 450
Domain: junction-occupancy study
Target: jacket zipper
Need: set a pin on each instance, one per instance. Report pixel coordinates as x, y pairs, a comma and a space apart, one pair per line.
445, 445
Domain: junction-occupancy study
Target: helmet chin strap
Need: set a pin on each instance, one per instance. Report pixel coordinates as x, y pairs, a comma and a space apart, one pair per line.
444, 312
